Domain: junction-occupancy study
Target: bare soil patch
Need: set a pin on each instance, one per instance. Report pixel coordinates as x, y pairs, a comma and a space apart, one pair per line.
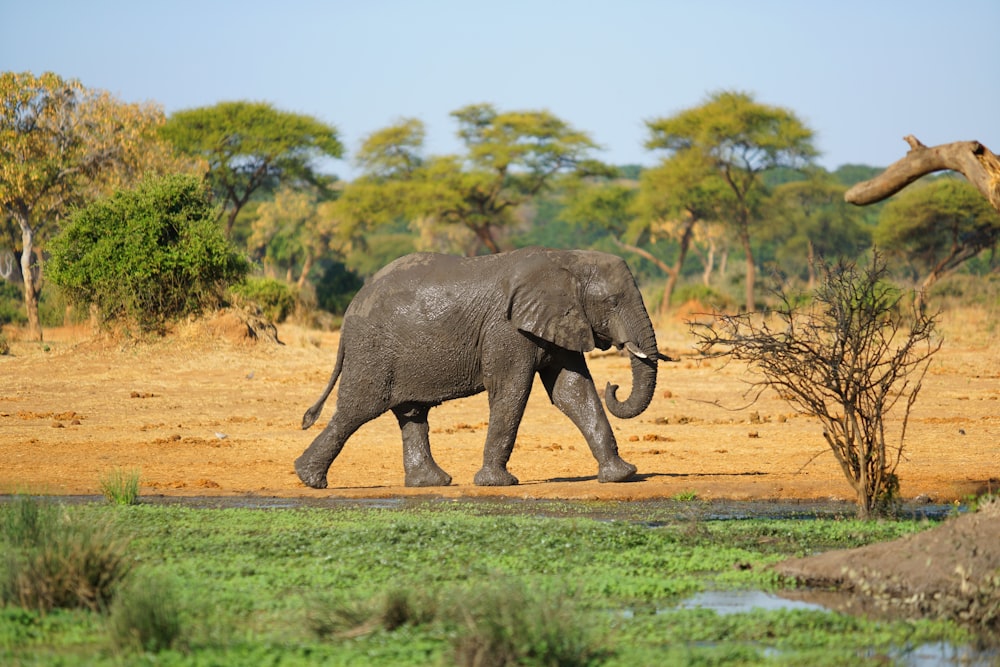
212, 411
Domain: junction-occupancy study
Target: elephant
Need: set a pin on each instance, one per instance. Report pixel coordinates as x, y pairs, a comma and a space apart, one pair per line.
430, 327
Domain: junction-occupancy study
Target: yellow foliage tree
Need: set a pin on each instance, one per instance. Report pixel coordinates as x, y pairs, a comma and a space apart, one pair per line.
62, 145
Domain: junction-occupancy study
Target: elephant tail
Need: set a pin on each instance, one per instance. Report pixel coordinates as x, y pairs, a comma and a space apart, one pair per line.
313, 413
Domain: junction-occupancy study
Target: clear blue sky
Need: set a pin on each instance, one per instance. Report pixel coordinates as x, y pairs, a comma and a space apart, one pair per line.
861, 74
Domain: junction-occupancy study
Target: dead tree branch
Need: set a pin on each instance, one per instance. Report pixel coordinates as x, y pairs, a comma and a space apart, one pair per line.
970, 158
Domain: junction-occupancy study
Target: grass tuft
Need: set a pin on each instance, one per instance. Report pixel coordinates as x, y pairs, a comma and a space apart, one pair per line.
355, 618
146, 615
504, 623
508, 624
57, 560
121, 487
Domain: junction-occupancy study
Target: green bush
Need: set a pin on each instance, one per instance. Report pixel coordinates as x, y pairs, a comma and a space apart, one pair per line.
11, 304
26, 522
504, 623
56, 560
275, 298
146, 256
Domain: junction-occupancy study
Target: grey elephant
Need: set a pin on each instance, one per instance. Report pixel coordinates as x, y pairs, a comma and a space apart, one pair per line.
428, 328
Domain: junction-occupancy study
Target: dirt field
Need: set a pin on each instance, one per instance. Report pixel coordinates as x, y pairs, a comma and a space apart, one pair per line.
202, 413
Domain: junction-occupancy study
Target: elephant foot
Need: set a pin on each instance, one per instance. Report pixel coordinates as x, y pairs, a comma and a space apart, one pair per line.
494, 477
310, 477
618, 470
430, 475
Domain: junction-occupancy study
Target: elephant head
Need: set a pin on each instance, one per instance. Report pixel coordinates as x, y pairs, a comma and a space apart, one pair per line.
580, 300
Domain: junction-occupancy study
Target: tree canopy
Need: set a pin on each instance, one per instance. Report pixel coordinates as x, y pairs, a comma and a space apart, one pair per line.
810, 222
251, 145
510, 157
740, 138
938, 225
293, 231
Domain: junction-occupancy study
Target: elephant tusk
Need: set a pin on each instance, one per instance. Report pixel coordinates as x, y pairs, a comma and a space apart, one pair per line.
634, 349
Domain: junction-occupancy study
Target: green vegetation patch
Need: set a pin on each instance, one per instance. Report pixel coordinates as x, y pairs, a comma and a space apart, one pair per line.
450, 584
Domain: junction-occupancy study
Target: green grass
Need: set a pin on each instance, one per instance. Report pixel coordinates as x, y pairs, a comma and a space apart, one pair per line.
368, 586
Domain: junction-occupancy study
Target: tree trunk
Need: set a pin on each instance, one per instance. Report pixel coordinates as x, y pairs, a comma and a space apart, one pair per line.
486, 237
751, 269
30, 288
675, 273
706, 275
231, 221
306, 268
811, 270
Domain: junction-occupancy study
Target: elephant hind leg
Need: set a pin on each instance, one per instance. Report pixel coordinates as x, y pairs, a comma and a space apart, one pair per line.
316, 460
508, 395
420, 467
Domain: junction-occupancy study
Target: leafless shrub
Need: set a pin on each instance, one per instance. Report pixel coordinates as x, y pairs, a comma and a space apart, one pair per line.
848, 356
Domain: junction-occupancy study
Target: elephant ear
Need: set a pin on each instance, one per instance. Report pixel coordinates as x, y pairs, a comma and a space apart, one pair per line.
543, 299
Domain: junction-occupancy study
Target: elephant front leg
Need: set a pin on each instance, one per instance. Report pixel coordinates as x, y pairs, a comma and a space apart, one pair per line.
572, 390
420, 467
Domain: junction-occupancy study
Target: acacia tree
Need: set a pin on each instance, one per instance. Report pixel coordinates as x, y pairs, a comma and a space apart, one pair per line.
938, 226
62, 145
848, 358
510, 158
292, 231
674, 198
739, 138
810, 221
251, 145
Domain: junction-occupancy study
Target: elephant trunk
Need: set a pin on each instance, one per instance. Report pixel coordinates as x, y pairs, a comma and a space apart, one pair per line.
640, 341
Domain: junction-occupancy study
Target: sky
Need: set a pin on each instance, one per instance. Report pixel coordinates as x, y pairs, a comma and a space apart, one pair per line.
860, 74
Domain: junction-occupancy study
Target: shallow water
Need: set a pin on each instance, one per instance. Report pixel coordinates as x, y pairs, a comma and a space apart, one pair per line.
739, 602
925, 655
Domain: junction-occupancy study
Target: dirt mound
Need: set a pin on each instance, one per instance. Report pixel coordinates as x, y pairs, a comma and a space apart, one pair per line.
236, 325
952, 571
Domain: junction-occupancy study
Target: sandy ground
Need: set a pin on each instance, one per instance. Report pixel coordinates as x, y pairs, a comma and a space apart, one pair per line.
202, 413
